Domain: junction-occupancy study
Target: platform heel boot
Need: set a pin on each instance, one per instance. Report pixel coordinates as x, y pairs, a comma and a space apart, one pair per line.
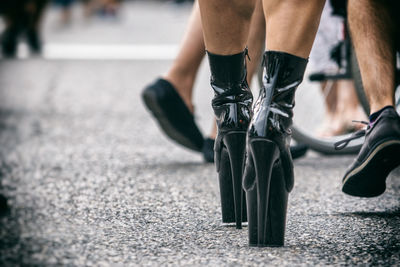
232, 107
268, 176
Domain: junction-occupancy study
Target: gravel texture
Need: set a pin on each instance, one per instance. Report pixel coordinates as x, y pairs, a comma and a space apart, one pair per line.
90, 180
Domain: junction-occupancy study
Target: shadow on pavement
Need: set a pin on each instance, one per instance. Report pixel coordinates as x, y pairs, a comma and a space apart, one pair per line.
177, 165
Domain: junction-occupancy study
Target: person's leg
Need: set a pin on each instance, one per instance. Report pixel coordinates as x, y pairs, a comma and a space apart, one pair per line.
347, 108
13, 14
291, 26
226, 24
34, 11
255, 41
182, 74
255, 44
183, 71
372, 25
373, 33
329, 94
341, 107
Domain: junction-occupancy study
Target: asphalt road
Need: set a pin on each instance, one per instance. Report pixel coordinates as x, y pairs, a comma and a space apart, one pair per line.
91, 180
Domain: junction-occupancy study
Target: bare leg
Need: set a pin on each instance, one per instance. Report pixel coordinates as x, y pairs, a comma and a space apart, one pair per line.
256, 40
341, 110
329, 93
226, 24
348, 107
373, 33
292, 25
184, 69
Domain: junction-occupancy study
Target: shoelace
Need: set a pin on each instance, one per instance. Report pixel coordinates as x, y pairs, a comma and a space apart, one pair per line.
360, 133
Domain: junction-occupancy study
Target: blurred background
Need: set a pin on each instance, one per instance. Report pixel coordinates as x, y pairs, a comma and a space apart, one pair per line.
36, 27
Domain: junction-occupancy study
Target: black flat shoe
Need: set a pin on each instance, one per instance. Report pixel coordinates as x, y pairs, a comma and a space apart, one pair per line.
378, 156
171, 113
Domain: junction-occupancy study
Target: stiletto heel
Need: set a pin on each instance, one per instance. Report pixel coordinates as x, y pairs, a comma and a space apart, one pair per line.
232, 108
275, 220
277, 208
268, 175
233, 200
235, 143
265, 154
226, 188
251, 197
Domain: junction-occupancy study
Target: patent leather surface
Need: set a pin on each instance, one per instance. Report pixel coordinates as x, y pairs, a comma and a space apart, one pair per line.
273, 111
232, 97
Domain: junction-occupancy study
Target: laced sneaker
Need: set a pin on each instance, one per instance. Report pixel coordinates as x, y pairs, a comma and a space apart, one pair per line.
379, 155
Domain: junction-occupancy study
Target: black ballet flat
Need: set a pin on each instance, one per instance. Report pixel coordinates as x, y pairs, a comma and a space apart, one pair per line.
172, 114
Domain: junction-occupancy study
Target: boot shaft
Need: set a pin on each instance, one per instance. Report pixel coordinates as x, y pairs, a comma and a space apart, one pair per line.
273, 111
282, 74
232, 97
227, 70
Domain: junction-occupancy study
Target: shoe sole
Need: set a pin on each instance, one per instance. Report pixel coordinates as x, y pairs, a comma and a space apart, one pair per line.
151, 103
369, 179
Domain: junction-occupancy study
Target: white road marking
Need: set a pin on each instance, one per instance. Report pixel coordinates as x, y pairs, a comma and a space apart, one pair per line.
74, 51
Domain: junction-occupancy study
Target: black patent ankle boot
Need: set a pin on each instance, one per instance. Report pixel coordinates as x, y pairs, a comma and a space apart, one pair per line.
268, 174
232, 107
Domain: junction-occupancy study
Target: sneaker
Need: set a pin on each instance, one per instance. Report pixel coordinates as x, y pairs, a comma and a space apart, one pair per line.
378, 156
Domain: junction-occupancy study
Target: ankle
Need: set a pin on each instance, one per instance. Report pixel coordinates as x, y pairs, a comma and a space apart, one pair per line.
227, 69
213, 135
376, 114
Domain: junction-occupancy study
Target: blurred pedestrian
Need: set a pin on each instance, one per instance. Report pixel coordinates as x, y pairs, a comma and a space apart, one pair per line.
22, 19
103, 8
